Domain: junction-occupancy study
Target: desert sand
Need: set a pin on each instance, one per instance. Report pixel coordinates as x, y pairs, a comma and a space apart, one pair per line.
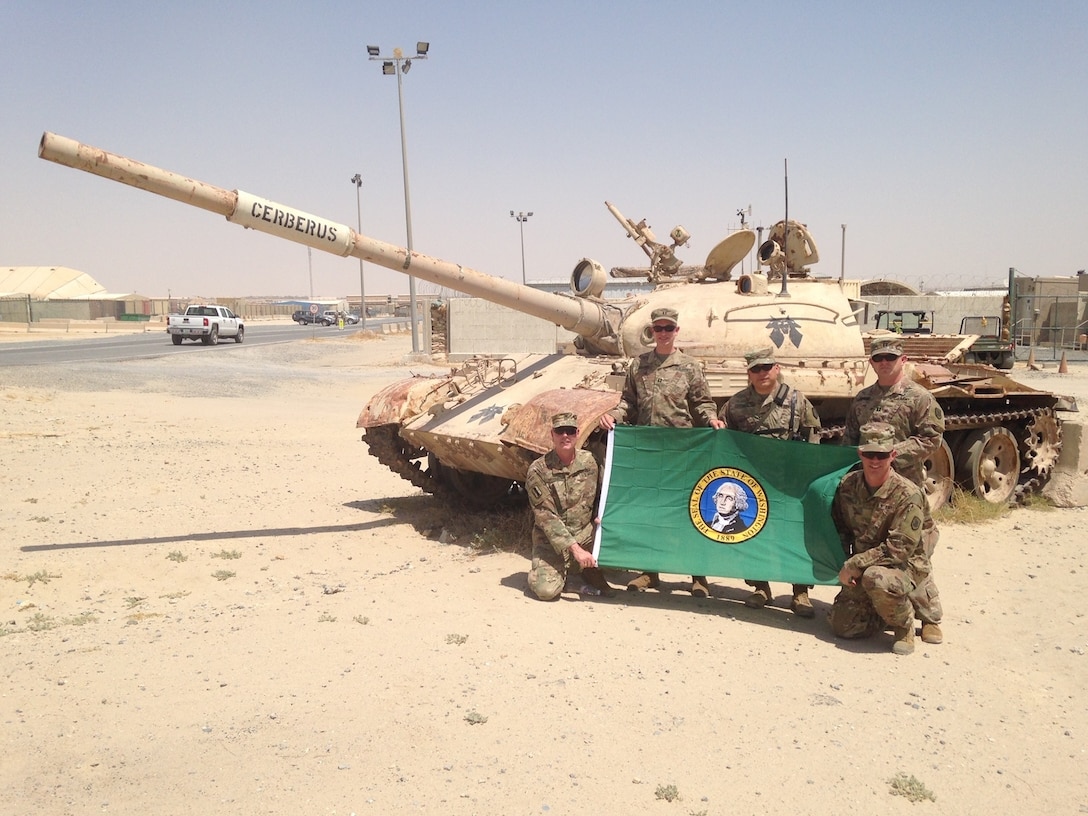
222, 605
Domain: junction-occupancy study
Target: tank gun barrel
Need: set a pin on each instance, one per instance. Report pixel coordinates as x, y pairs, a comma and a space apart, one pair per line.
584, 317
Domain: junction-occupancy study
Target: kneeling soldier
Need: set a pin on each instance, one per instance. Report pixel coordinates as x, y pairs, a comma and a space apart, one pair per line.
879, 515
562, 486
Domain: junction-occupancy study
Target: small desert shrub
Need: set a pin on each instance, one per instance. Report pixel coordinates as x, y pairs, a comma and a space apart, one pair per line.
910, 788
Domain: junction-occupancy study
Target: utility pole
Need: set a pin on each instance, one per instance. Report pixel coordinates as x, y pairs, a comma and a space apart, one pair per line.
357, 180
522, 218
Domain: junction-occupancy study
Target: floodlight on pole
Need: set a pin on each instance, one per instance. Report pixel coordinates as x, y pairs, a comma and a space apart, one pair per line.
393, 65
357, 180
522, 217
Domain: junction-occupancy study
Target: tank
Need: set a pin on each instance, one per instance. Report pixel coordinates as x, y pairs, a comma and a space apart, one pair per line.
472, 433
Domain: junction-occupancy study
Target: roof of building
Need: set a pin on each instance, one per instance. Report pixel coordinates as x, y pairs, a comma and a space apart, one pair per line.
54, 283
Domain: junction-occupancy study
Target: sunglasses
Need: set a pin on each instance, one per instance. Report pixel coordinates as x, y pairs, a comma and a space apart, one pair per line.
762, 368
566, 430
875, 455
665, 328
884, 358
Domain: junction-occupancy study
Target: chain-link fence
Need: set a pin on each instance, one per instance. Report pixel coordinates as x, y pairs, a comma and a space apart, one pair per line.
1050, 317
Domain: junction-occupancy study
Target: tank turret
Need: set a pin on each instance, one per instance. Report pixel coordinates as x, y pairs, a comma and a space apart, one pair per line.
476, 430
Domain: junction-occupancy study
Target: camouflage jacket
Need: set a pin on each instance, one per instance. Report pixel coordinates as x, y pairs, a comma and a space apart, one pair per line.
881, 527
785, 413
666, 391
563, 499
913, 412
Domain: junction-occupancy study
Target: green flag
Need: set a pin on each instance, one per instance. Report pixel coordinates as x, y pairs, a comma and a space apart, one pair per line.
696, 501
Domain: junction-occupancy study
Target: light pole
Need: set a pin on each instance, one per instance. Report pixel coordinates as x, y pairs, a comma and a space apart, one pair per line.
522, 218
393, 65
842, 257
357, 180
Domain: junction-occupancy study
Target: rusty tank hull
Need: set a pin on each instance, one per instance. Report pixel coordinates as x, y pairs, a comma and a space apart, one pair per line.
473, 432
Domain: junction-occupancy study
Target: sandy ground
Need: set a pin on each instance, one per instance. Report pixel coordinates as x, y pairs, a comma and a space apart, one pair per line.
224, 606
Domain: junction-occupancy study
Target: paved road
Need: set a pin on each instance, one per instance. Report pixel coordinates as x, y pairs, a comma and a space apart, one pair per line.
147, 345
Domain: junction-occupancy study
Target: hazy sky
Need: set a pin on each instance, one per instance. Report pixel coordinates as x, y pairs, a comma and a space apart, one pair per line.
950, 138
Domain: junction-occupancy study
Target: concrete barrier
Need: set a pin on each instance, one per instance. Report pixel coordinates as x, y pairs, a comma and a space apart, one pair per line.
394, 328
1068, 485
64, 326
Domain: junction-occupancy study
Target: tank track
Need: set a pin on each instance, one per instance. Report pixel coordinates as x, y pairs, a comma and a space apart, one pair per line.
389, 448
463, 488
1040, 448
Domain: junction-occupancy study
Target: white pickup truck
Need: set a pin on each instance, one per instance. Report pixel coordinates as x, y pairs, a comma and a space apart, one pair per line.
206, 323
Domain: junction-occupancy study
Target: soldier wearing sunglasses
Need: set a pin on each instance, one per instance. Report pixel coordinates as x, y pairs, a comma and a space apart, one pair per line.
918, 422
770, 407
562, 486
879, 515
665, 387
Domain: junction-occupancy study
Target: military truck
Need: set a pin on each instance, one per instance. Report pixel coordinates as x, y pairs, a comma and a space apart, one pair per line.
981, 339
993, 345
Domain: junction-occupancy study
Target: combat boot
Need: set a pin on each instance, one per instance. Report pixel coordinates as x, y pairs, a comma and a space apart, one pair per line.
904, 639
699, 586
931, 633
761, 597
595, 578
801, 606
648, 580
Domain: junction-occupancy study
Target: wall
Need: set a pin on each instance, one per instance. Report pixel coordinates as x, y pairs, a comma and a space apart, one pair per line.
479, 327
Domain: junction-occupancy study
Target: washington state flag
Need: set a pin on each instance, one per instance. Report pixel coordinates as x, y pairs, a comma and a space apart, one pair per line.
696, 501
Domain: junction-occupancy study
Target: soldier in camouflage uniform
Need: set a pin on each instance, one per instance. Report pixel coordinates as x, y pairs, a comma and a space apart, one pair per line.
879, 517
769, 407
562, 486
919, 425
665, 387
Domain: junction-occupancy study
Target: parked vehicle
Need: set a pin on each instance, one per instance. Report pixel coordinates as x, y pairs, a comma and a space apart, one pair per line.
994, 345
206, 323
982, 338
905, 322
302, 317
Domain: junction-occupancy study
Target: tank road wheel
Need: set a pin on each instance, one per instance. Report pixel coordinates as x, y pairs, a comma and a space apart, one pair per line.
1041, 445
939, 473
175, 339
480, 490
992, 464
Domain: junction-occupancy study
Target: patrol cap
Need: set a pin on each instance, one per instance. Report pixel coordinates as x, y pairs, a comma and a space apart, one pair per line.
760, 356
889, 344
564, 420
877, 437
671, 315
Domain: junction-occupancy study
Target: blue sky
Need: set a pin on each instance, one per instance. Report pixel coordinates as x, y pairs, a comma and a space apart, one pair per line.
950, 138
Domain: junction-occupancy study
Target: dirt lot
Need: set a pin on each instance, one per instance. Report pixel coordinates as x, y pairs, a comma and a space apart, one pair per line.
224, 606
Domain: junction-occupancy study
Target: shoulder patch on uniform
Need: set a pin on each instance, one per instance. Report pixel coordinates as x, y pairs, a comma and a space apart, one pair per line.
536, 491
915, 523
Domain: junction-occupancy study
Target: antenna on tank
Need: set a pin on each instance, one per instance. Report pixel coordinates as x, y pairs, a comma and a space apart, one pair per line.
786, 234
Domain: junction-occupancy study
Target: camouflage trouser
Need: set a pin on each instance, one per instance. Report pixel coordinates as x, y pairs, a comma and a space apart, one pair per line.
925, 598
879, 599
548, 573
